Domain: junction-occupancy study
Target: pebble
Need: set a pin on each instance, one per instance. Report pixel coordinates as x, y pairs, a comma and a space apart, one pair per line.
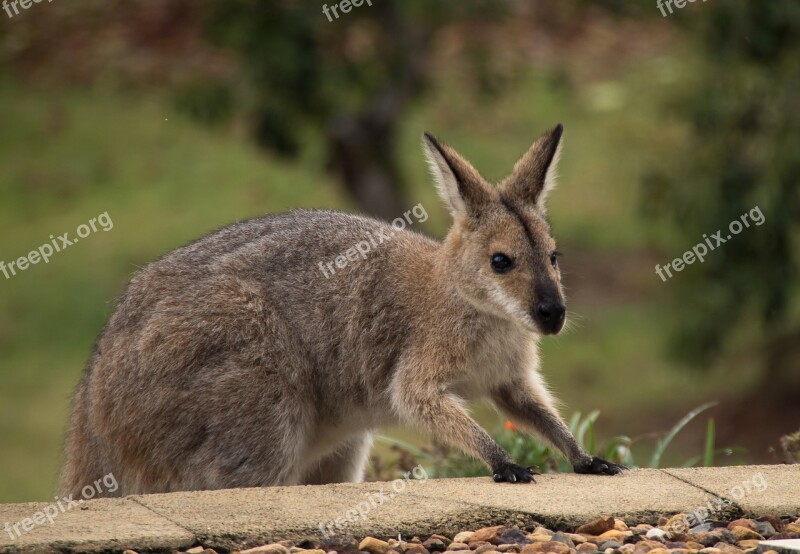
646, 546
514, 536
612, 544
587, 548
784, 535
435, 545
488, 547
267, 549
374, 546
577, 539
702, 528
458, 546
765, 529
561, 537
745, 533
597, 527
509, 548
489, 534
656, 533
728, 548
550, 547
748, 523
613, 534
463, 537
678, 523
416, 549
721, 534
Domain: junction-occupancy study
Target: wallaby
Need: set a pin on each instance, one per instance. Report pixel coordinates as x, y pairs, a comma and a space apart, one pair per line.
234, 362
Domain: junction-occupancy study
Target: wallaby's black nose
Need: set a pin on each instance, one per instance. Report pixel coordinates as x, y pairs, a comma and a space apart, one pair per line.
550, 316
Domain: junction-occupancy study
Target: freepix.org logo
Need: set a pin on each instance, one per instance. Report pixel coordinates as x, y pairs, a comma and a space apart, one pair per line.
56, 244
8, 5
107, 483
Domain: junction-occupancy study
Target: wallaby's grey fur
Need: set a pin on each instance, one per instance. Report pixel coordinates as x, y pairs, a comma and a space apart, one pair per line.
233, 362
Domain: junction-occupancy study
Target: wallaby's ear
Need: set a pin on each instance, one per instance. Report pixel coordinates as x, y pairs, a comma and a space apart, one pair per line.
458, 183
534, 175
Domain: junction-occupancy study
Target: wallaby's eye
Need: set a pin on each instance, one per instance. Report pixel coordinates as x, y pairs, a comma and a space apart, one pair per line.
501, 263
554, 258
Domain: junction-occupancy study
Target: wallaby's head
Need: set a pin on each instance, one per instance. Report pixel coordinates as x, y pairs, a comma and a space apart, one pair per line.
499, 250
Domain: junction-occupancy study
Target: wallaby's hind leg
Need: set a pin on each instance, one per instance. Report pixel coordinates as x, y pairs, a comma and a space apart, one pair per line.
344, 465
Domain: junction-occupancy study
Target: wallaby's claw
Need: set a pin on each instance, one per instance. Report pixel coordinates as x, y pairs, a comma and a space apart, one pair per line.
597, 466
512, 473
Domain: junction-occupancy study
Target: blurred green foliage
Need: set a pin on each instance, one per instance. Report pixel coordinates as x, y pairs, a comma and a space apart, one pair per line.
349, 77
741, 105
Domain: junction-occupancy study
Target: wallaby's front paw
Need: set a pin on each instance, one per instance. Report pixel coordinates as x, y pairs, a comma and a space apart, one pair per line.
512, 473
596, 466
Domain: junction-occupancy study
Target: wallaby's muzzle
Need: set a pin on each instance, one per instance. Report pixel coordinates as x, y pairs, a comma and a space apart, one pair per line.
550, 316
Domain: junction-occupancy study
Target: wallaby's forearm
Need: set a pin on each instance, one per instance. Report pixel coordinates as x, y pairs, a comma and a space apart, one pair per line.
532, 408
537, 416
444, 418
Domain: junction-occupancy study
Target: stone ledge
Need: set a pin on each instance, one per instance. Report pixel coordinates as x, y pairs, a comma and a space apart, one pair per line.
235, 518
99, 526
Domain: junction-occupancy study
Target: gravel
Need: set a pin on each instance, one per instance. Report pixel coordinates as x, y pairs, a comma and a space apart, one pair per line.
606, 535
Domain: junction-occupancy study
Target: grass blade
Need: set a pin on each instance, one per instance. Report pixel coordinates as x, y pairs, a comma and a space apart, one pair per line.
574, 421
584, 426
404, 445
664, 442
708, 460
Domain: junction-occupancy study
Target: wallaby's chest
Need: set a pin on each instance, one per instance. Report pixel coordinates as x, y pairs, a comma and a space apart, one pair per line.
498, 356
